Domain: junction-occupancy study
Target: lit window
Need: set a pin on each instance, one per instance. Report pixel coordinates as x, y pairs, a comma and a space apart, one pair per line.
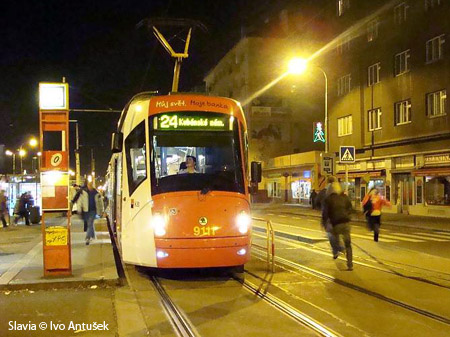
436, 102
402, 112
274, 190
372, 30
344, 83
434, 49
432, 3
402, 63
373, 74
345, 126
374, 117
342, 6
401, 13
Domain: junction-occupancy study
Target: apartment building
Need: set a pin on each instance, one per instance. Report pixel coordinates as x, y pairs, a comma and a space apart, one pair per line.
252, 73
388, 74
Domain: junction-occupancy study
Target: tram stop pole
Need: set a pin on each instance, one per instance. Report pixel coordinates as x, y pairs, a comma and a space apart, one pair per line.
54, 168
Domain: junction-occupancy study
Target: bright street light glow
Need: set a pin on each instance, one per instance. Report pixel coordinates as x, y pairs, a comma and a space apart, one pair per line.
8, 153
297, 66
39, 153
33, 142
22, 152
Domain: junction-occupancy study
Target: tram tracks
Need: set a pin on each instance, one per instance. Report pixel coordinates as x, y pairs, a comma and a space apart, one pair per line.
180, 323
285, 308
298, 267
184, 327
390, 267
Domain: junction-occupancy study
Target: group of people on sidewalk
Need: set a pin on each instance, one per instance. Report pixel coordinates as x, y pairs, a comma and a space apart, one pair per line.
22, 208
90, 204
336, 213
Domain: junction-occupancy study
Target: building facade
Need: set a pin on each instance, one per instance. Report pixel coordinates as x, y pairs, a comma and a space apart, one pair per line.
389, 73
291, 178
252, 73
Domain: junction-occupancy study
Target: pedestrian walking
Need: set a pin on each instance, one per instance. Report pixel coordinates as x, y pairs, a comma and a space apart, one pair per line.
312, 198
91, 203
336, 212
22, 208
320, 197
74, 202
372, 204
3, 208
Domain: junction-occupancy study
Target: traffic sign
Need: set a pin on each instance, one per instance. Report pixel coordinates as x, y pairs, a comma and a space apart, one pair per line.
347, 154
327, 163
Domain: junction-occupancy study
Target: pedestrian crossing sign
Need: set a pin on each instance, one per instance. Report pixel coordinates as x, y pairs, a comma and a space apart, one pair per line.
347, 154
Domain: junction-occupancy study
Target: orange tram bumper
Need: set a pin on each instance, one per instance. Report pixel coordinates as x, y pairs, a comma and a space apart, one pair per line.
202, 253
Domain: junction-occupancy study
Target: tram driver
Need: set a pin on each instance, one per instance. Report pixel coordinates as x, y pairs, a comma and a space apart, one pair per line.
191, 162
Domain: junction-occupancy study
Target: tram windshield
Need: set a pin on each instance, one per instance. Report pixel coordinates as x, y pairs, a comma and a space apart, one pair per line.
195, 151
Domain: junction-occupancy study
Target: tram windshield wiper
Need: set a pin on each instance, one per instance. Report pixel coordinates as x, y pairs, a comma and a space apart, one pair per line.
205, 190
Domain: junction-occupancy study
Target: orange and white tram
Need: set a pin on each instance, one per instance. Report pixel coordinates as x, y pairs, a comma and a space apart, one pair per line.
169, 216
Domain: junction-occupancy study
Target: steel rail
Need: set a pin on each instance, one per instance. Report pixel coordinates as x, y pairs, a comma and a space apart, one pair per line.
365, 291
289, 310
390, 264
183, 326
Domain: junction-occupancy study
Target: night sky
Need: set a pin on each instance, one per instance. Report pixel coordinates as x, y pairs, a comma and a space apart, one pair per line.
104, 57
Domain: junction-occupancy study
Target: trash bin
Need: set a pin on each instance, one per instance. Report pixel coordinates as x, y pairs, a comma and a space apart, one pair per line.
35, 214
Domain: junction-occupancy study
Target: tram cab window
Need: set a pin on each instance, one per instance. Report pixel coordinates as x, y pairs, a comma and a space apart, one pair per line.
218, 160
136, 157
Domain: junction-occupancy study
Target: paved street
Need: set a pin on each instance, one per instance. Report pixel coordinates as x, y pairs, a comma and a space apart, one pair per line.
405, 275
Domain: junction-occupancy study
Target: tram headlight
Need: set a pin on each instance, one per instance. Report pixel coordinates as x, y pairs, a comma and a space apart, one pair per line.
243, 222
159, 224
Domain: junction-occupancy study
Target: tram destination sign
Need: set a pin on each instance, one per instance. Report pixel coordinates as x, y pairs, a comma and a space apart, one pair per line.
192, 121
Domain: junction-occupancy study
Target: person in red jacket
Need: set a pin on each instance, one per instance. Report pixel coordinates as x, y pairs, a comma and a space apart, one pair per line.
374, 214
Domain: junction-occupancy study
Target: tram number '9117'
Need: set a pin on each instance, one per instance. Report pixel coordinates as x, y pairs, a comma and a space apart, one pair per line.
205, 231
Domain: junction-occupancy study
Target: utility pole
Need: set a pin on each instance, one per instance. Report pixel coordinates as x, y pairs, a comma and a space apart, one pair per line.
93, 166
77, 153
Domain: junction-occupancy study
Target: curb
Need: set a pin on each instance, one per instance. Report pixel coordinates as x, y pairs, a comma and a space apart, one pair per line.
62, 284
385, 222
291, 236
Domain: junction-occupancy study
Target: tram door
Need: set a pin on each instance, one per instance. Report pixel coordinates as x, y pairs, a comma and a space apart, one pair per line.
137, 237
406, 193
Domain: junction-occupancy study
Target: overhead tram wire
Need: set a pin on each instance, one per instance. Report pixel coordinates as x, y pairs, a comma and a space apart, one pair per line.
94, 110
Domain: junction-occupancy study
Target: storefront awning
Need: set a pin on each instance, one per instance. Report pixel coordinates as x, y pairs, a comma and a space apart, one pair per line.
432, 171
359, 174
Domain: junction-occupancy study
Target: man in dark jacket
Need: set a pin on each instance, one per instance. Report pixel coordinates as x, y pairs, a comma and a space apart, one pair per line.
335, 218
25, 203
312, 198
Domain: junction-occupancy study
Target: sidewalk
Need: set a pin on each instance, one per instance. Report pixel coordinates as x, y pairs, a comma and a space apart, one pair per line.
21, 254
392, 219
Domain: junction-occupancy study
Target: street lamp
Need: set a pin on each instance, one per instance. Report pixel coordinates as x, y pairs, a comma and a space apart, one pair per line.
298, 66
22, 154
13, 155
33, 142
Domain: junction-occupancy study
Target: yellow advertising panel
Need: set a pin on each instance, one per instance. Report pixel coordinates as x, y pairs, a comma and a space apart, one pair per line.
56, 236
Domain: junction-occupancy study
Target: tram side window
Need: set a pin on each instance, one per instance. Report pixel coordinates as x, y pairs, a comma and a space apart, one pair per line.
136, 157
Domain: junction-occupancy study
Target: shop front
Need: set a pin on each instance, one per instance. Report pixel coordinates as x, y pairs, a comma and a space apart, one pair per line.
301, 187
291, 178
15, 185
422, 184
360, 183
433, 190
